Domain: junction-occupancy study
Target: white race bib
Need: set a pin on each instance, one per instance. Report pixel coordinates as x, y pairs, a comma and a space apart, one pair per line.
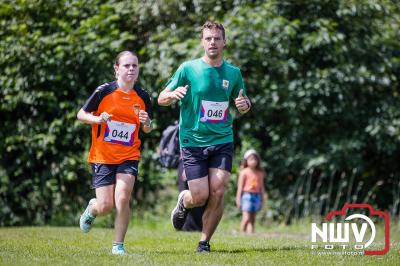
120, 133
214, 112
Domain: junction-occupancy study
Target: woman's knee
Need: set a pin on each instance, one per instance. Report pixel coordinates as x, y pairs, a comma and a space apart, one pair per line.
122, 200
104, 207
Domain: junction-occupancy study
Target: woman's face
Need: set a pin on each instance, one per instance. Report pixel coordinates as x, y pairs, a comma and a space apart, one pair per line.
252, 161
128, 68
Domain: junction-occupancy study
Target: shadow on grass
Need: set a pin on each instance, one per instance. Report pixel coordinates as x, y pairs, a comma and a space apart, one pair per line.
266, 249
219, 251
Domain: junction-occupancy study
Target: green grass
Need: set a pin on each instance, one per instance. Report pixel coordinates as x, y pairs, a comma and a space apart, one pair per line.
155, 243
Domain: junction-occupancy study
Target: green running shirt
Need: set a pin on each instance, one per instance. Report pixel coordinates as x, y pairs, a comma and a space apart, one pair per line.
205, 119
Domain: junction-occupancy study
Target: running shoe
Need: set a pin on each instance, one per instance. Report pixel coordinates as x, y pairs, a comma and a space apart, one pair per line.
118, 249
87, 218
179, 213
203, 247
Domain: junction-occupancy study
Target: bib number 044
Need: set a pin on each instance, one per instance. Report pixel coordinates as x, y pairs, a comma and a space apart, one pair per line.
120, 133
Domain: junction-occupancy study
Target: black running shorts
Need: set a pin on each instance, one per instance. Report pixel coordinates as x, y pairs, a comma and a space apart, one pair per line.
197, 160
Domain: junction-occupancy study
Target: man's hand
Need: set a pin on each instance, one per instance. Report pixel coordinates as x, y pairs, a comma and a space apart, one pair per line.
168, 97
242, 103
179, 93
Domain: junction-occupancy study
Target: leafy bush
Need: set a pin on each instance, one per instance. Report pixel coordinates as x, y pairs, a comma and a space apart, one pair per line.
323, 77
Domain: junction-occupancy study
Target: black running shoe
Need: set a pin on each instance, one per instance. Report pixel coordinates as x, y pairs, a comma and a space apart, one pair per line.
179, 213
203, 247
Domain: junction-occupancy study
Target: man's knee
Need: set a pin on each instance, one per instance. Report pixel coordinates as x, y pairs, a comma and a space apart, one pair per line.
219, 183
200, 199
218, 193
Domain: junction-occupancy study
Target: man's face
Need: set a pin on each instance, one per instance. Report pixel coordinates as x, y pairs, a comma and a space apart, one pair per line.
213, 42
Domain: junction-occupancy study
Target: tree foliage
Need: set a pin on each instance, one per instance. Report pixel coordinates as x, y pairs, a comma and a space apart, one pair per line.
323, 77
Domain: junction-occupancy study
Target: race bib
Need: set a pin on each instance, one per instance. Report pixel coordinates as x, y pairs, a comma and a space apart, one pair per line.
120, 133
214, 112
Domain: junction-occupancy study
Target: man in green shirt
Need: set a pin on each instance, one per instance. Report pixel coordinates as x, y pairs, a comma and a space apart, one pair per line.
205, 88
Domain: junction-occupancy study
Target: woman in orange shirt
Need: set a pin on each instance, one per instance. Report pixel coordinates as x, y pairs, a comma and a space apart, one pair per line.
116, 110
250, 190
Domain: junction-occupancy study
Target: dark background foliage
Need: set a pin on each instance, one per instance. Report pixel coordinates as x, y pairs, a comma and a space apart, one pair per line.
323, 77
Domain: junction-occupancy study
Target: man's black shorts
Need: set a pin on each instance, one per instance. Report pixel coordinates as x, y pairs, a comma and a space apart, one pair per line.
197, 160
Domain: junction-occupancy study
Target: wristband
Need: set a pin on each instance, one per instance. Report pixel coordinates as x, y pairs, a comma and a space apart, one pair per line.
149, 124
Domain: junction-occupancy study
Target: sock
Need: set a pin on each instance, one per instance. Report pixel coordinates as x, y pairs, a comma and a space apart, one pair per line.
183, 202
115, 243
204, 243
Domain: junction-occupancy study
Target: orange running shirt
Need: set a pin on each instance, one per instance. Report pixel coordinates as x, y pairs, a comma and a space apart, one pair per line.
252, 180
117, 140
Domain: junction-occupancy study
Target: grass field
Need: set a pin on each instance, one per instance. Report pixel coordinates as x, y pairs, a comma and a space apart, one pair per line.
155, 243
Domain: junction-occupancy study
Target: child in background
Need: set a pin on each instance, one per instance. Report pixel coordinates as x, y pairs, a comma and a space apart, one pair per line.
250, 190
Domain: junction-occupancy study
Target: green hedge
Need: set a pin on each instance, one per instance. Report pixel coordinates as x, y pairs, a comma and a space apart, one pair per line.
323, 76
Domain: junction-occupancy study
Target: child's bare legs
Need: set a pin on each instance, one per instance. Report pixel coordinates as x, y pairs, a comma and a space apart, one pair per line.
245, 221
251, 224
247, 224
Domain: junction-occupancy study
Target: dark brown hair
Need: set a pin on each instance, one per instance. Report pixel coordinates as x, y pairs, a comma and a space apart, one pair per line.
122, 54
212, 25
